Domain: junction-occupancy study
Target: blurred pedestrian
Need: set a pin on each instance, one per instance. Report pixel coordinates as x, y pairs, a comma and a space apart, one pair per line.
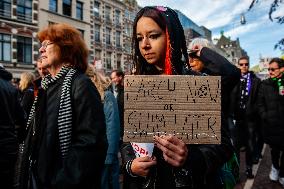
110, 177
271, 108
117, 78
27, 91
247, 129
11, 114
69, 140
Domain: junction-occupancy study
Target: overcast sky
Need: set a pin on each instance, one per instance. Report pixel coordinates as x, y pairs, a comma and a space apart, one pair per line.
258, 36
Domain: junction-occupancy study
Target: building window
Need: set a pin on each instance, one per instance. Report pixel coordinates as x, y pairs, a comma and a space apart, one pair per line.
24, 10
5, 47
117, 17
97, 54
24, 50
118, 62
127, 30
108, 32
126, 14
53, 5
117, 39
5, 8
127, 46
82, 32
107, 13
97, 33
67, 7
97, 9
79, 10
108, 60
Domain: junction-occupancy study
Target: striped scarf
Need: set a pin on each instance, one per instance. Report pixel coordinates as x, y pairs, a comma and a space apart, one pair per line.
65, 110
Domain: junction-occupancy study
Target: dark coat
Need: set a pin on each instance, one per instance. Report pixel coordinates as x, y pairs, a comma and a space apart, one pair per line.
204, 161
271, 109
251, 112
83, 164
11, 114
27, 99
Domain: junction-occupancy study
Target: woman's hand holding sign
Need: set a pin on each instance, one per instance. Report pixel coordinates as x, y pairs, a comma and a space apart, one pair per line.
174, 150
141, 165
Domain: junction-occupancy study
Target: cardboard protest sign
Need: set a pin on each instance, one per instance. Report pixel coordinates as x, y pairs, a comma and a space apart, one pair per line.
188, 107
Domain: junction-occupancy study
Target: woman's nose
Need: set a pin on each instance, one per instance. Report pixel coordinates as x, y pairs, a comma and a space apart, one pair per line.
145, 43
41, 49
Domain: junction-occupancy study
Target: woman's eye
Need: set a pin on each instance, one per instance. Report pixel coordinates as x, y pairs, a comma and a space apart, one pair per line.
154, 36
139, 38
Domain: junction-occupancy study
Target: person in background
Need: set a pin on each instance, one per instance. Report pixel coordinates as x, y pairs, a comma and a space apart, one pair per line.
247, 129
159, 47
27, 91
270, 104
110, 178
204, 58
69, 140
117, 78
40, 69
11, 114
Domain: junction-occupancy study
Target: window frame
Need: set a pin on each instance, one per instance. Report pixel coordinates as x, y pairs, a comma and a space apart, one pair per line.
3, 49
67, 8
3, 9
81, 16
23, 16
27, 42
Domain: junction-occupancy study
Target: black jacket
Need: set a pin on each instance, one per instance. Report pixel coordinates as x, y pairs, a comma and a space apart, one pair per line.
27, 99
204, 161
250, 112
83, 164
11, 114
271, 109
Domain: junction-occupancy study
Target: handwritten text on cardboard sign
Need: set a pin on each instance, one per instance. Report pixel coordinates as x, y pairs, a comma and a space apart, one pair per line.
188, 107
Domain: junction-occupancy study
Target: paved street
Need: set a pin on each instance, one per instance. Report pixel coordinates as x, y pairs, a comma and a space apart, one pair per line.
261, 171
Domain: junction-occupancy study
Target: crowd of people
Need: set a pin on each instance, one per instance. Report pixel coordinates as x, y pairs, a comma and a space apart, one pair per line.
64, 129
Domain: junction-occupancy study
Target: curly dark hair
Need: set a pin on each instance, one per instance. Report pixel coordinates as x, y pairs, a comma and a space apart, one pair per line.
279, 61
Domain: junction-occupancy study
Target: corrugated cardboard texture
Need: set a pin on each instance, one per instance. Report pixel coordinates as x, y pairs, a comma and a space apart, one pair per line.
188, 107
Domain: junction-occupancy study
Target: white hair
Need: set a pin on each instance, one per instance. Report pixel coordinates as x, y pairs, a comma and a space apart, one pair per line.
200, 42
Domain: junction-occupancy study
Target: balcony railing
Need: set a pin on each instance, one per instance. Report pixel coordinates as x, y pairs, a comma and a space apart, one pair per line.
24, 17
5, 13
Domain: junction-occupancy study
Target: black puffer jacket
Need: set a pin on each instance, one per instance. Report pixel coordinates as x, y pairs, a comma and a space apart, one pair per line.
11, 114
204, 161
271, 108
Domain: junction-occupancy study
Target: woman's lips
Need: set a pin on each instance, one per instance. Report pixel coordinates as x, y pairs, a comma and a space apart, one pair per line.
149, 55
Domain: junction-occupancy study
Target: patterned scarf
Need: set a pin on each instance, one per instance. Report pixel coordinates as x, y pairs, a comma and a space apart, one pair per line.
280, 84
65, 110
245, 90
